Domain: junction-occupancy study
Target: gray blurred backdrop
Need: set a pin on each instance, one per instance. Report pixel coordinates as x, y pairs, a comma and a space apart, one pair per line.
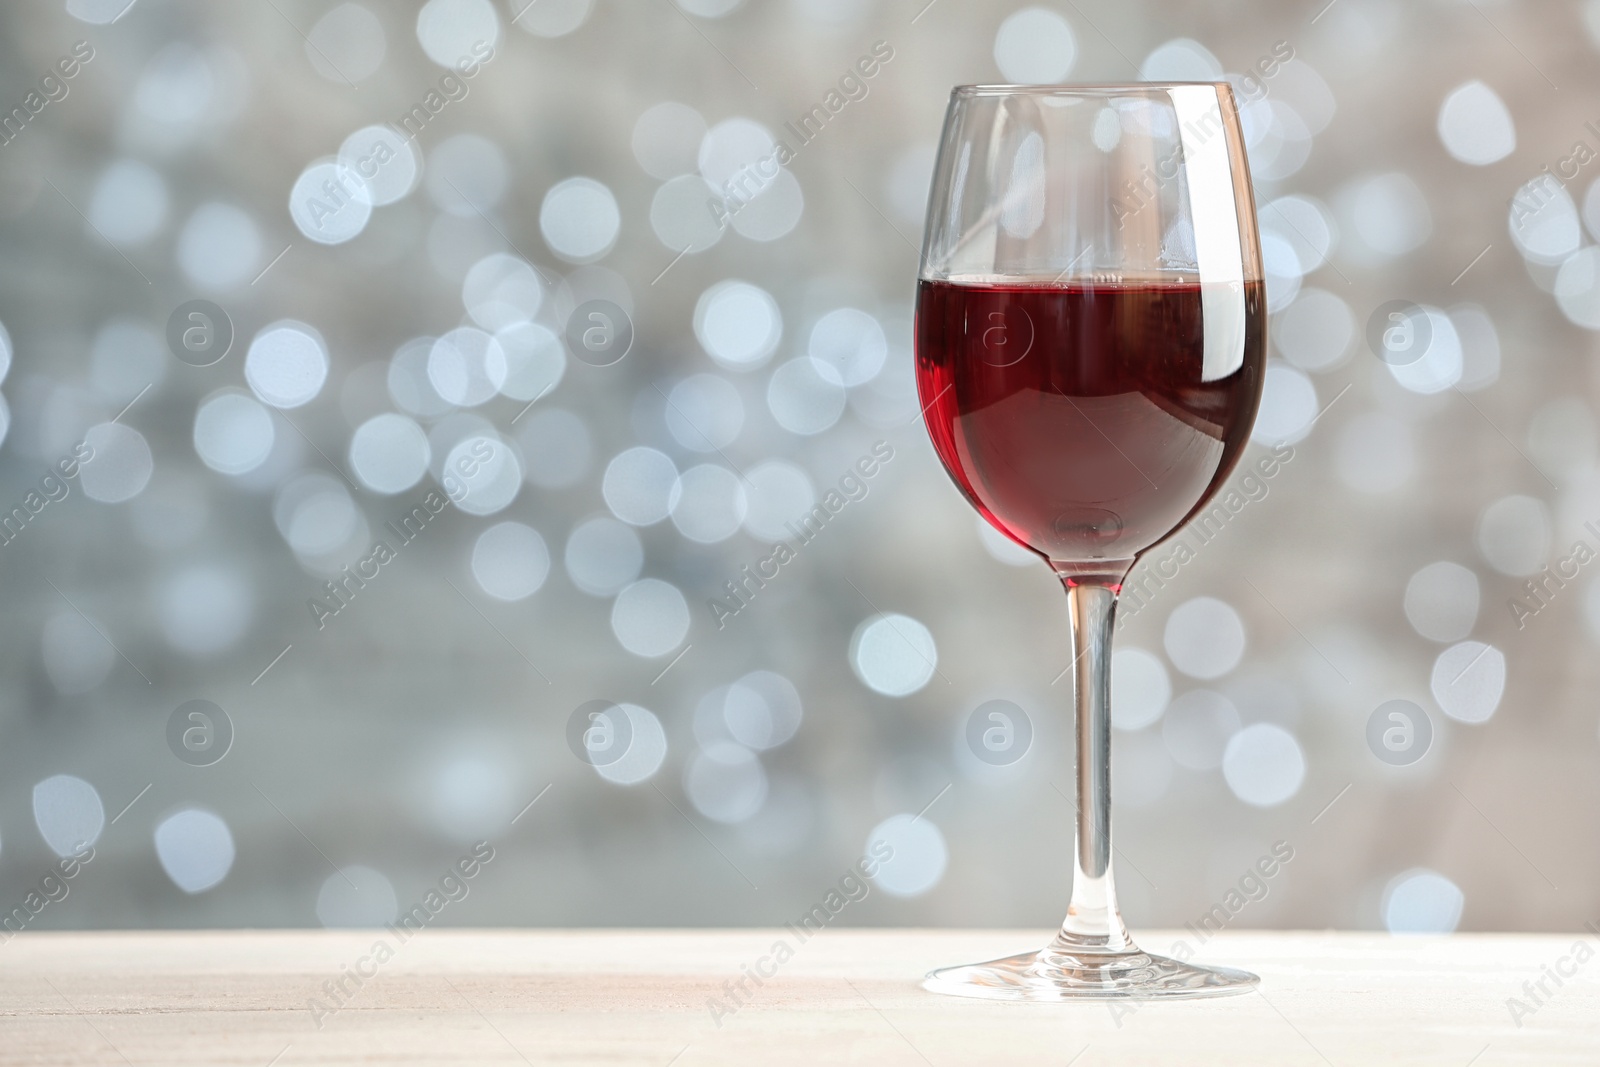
562, 311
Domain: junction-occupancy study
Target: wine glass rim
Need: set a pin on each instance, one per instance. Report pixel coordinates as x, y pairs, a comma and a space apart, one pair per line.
1080, 88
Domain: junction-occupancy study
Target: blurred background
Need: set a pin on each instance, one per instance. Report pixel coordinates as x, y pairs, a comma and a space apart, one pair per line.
506, 321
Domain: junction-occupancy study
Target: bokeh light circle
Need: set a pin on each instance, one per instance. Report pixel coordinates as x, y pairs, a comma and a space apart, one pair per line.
738, 324
603, 556
389, 453
510, 561
1468, 681
893, 654
650, 617
195, 849
1204, 637
233, 433
1140, 688
802, 399
641, 486
1035, 46
1264, 765
911, 854
287, 364
1421, 901
330, 203
580, 219
451, 31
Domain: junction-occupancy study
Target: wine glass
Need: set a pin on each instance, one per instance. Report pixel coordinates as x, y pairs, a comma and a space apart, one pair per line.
1091, 331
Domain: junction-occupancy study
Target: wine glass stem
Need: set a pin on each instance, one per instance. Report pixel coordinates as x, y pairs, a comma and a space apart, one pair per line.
1093, 923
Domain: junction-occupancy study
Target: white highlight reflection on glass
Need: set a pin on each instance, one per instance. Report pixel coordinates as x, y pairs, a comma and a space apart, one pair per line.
1208, 170
1022, 211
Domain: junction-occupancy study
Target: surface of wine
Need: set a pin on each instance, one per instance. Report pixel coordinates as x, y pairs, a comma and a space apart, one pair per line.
1088, 421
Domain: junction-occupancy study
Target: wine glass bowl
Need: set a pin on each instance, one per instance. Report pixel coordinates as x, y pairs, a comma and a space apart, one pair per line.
1100, 435
1090, 343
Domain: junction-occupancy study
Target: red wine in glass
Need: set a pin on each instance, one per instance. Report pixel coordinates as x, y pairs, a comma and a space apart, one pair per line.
1077, 418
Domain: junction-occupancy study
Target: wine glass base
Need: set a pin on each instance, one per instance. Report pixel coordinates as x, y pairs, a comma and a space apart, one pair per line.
1055, 975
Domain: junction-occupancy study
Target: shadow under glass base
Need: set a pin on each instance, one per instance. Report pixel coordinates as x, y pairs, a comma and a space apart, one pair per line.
1053, 974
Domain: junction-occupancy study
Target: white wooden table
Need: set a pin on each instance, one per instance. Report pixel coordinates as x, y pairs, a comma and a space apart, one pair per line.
626, 997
